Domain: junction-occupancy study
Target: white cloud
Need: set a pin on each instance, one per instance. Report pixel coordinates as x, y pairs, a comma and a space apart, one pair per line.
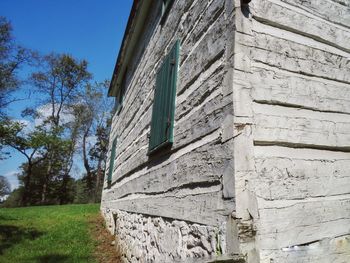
44, 112
91, 140
12, 178
28, 125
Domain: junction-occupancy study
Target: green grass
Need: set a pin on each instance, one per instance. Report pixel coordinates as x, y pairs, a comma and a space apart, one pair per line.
47, 234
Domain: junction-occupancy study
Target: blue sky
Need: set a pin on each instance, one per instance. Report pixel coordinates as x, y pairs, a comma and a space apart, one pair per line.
87, 29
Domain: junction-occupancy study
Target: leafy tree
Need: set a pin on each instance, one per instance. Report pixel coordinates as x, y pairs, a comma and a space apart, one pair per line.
14, 199
51, 170
5, 187
81, 195
52, 187
32, 145
92, 116
12, 57
60, 83
74, 113
98, 153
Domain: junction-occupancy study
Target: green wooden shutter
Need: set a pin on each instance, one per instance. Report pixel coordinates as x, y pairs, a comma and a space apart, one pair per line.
162, 124
111, 161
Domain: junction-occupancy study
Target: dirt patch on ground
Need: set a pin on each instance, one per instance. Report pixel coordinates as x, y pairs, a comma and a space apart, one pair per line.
106, 250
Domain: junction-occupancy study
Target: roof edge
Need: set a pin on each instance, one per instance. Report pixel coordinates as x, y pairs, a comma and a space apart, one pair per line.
134, 28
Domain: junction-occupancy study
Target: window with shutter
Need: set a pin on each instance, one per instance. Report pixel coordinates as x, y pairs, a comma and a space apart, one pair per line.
111, 162
166, 5
123, 89
164, 102
116, 105
119, 99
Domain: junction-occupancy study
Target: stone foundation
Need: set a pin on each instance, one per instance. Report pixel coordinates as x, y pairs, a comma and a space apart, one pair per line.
144, 238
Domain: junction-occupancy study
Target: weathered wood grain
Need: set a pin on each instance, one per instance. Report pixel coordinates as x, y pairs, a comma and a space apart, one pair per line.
205, 208
284, 83
274, 124
295, 19
129, 120
204, 91
298, 58
291, 130
294, 177
143, 76
212, 44
202, 166
280, 87
202, 122
200, 25
330, 11
140, 157
309, 220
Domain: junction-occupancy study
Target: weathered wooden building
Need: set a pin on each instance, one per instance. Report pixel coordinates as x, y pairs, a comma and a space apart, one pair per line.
231, 134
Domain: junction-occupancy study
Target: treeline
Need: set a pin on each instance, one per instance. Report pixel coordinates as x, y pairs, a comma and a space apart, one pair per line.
68, 119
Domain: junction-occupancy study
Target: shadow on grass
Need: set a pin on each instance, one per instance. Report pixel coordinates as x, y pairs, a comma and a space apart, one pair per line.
58, 258
52, 258
12, 235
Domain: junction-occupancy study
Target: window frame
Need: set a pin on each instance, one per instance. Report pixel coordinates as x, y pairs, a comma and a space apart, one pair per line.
166, 6
119, 99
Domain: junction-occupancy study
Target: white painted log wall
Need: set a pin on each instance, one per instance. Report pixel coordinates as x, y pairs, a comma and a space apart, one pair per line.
292, 115
285, 138
200, 98
193, 181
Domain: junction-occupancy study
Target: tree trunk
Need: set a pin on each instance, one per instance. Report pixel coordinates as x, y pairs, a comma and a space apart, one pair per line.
27, 179
99, 176
89, 175
45, 184
64, 194
64, 191
44, 191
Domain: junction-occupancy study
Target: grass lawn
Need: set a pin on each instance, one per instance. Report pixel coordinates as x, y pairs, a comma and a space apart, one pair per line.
48, 233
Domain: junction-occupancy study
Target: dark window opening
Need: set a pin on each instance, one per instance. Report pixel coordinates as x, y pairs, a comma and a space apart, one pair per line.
111, 162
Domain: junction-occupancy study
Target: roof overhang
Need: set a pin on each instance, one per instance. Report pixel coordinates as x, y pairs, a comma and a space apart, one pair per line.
134, 28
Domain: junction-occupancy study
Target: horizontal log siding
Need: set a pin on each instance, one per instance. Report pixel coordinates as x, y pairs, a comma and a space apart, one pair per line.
186, 182
297, 129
